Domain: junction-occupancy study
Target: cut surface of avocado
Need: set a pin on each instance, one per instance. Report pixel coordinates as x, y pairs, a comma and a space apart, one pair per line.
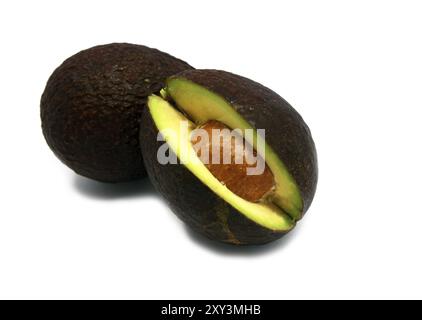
202, 105
168, 121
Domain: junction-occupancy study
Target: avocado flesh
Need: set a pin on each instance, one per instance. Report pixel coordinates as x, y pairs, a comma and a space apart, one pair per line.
202, 105
168, 120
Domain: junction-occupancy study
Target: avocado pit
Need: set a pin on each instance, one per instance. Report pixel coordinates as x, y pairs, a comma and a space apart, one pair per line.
230, 159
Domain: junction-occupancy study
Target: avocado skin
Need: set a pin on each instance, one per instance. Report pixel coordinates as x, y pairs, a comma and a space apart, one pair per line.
285, 131
92, 104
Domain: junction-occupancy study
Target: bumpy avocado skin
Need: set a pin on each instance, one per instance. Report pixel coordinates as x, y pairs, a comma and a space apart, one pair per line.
92, 105
285, 132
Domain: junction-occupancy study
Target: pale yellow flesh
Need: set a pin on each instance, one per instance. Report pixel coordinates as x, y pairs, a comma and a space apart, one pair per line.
168, 120
202, 105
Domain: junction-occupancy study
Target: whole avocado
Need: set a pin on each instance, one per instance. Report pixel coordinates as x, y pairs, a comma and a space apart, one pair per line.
92, 104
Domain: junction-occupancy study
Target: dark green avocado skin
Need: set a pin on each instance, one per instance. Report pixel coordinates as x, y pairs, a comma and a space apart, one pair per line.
285, 132
92, 104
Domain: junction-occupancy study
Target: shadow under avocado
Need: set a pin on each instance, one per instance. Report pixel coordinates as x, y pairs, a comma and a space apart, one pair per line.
233, 250
114, 191
143, 188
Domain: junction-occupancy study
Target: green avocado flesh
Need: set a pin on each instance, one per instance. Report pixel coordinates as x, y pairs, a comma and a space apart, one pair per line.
196, 105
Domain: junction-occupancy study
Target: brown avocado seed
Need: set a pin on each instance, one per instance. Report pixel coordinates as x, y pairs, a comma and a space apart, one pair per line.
231, 168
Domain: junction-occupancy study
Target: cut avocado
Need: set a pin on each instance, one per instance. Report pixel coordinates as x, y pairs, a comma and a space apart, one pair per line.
198, 197
202, 105
168, 121
92, 104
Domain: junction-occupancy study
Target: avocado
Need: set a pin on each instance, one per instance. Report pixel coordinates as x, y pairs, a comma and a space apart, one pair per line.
92, 105
218, 200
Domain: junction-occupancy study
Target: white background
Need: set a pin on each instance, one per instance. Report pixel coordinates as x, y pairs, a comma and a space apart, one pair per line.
353, 69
